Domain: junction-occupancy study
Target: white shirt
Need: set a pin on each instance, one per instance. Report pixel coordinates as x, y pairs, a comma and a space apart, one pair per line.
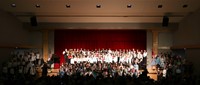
145, 54
164, 72
136, 66
38, 56
139, 55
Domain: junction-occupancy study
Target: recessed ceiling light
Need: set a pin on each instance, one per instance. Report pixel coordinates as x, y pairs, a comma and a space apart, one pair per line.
98, 6
160, 6
129, 6
37, 6
68, 6
13, 5
185, 6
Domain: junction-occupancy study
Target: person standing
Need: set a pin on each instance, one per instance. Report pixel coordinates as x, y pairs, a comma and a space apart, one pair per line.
145, 57
70, 56
45, 69
136, 67
66, 53
144, 61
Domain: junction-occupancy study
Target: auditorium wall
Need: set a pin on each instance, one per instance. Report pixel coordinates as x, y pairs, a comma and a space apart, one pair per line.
165, 41
11, 32
188, 35
13, 36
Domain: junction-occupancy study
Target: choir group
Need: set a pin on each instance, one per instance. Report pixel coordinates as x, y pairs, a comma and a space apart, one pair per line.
108, 56
103, 62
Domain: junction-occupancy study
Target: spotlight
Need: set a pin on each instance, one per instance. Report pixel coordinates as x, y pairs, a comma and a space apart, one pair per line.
68, 6
13, 5
129, 6
160, 6
98, 6
185, 6
37, 6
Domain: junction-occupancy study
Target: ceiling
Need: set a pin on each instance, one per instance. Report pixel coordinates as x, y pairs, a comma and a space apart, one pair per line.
100, 11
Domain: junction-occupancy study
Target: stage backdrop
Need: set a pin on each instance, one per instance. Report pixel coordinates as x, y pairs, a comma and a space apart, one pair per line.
98, 39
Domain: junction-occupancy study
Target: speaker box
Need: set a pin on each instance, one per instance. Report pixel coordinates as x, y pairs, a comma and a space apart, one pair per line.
165, 21
33, 21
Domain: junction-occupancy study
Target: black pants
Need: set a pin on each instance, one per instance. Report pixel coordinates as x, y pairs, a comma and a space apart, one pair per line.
68, 61
118, 58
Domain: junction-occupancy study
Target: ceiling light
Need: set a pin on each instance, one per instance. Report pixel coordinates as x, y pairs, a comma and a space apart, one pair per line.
160, 6
68, 6
129, 6
98, 6
185, 6
13, 5
37, 6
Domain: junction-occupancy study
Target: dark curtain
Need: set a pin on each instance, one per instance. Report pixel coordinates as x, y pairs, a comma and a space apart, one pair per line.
98, 39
